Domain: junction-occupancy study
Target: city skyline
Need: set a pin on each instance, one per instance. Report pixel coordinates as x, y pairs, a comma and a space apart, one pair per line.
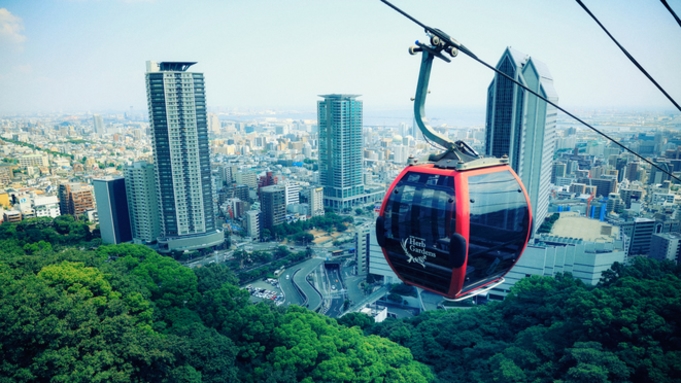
84, 56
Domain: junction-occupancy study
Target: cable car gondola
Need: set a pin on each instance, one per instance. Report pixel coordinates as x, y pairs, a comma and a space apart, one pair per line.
457, 224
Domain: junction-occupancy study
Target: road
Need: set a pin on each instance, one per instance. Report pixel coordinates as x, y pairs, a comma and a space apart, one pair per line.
336, 293
330, 286
335, 308
373, 297
354, 292
220, 256
291, 293
314, 300
217, 257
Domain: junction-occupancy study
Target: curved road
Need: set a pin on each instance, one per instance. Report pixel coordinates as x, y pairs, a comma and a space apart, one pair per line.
290, 291
314, 300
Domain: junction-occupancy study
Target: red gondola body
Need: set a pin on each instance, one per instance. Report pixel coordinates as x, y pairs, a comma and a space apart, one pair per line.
454, 232
456, 225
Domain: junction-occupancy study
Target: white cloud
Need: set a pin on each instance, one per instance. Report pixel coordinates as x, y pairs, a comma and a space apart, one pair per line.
11, 27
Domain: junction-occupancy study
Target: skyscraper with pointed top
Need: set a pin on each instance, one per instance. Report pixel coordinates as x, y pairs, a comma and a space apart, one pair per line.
522, 126
179, 133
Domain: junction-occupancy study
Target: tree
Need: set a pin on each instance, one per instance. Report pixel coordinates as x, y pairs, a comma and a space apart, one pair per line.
213, 276
403, 289
170, 284
68, 324
395, 297
361, 320
125, 313
588, 362
318, 349
281, 252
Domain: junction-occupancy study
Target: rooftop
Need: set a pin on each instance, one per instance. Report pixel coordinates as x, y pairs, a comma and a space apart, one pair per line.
340, 96
178, 66
584, 228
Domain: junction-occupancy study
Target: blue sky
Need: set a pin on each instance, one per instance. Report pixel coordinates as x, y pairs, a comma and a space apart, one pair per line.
70, 56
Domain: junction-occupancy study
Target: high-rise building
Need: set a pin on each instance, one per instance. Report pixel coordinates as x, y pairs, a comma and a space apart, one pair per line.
339, 117
292, 192
140, 186
75, 199
628, 195
604, 186
179, 136
633, 171
273, 206
98, 124
112, 210
614, 203
378, 265
522, 126
665, 246
639, 233
559, 170
214, 123
252, 223
316, 202
658, 176
241, 192
246, 178
578, 188
363, 247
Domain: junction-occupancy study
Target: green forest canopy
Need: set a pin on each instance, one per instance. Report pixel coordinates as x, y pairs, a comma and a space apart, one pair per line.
123, 313
72, 311
557, 330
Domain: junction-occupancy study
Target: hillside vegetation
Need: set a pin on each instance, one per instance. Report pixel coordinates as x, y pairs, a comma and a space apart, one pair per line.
557, 330
124, 313
73, 311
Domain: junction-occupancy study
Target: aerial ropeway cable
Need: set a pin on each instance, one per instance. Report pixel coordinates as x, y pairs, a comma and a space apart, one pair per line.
456, 224
664, 2
450, 43
629, 56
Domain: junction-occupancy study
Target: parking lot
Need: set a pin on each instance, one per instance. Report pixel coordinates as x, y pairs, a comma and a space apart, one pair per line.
265, 290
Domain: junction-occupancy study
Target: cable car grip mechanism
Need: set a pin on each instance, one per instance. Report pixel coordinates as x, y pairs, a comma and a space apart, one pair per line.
457, 154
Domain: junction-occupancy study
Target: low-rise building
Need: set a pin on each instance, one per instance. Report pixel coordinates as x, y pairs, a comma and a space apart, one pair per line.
46, 206
577, 245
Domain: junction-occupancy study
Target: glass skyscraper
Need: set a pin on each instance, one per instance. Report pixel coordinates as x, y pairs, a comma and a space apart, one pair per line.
112, 210
522, 126
340, 150
179, 133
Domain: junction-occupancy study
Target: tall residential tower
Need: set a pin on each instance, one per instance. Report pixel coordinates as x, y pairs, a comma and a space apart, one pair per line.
179, 134
140, 186
98, 126
520, 125
340, 150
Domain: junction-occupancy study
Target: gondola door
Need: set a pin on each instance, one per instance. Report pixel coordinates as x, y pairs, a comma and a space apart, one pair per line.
420, 229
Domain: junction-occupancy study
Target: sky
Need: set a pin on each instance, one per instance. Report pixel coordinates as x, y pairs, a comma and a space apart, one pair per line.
89, 55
